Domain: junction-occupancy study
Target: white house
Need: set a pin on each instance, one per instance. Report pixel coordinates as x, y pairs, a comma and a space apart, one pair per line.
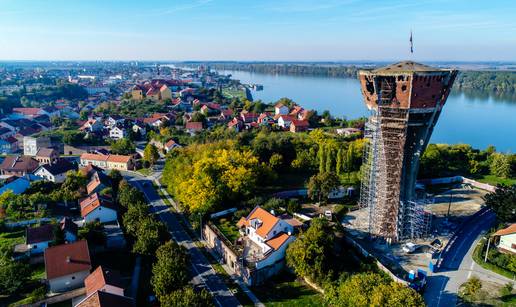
266, 237
38, 238
284, 121
171, 144
98, 208
114, 120
280, 108
55, 172
117, 133
507, 241
139, 128
92, 125
31, 145
67, 265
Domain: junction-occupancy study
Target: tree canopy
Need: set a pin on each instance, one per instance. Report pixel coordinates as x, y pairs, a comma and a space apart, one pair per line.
170, 271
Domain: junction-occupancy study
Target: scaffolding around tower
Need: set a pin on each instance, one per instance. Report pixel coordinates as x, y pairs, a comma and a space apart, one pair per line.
405, 100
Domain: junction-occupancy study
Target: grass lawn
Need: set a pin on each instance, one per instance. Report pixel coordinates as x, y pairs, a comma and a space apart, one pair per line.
494, 180
228, 228
11, 237
145, 171
285, 290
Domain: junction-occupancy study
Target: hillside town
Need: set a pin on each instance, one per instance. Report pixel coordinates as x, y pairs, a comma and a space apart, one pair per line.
108, 169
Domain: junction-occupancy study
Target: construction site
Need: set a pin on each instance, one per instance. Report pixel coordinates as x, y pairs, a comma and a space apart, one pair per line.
405, 100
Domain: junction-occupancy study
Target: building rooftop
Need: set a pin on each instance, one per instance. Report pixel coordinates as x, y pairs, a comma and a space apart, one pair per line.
100, 278
65, 259
106, 299
403, 67
40, 234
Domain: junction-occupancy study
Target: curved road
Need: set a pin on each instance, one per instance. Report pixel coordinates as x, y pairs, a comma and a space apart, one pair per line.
203, 272
457, 264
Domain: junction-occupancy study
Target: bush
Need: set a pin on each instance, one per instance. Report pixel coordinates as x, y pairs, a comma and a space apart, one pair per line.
506, 290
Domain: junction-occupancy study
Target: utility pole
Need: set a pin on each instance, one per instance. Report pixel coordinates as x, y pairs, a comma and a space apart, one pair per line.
449, 205
487, 250
200, 224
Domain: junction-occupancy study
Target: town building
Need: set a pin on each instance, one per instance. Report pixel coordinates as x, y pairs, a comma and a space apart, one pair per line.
98, 208
46, 155
98, 182
106, 299
67, 266
56, 171
118, 132
8, 145
105, 280
506, 239
281, 109
299, 125
18, 165
39, 238
194, 127
31, 145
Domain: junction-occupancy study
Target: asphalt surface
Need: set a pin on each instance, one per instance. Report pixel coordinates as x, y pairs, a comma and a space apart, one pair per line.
457, 264
204, 274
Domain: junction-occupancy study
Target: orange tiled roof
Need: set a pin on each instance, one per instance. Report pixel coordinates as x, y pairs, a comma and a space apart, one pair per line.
278, 240
118, 159
268, 221
506, 231
101, 277
95, 157
92, 202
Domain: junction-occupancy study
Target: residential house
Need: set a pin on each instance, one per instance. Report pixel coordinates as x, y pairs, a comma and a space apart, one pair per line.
118, 132
348, 131
248, 117
139, 127
67, 266
8, 145
266, 239
18, 165
119, 162
98, 182
225, 115
31, 145
265, 119
98, 208
106, 299
236, 124
89, 170
194, 127
46, 155
92, 125
299, 125
56, 171
280, 109
114, 120
104, 280
70, 229
94, 159
137, 92
38, 239
506, 239
284, 121
171, 144
18, 185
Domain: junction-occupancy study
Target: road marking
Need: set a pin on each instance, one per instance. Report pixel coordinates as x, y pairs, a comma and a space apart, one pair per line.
471, 268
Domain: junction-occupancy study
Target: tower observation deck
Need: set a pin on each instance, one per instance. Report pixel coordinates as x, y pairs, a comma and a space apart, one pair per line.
405, 100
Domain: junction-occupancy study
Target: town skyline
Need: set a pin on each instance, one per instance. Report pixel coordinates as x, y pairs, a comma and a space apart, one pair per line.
217, 30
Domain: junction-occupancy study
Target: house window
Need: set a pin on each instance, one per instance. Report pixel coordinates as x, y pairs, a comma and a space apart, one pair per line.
73, 277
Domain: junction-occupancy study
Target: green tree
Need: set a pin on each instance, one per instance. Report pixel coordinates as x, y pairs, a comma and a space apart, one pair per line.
503, 203
500, 165
83, 115
136, 213
13, 276
396, 295
150, 153
311, 254
149, 236
188, 297
93, 232
320, 185
276, 161
170, 271
123, 147
128, 194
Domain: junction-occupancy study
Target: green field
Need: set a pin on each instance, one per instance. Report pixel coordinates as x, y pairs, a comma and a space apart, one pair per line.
494, 180
9, 239
286, 291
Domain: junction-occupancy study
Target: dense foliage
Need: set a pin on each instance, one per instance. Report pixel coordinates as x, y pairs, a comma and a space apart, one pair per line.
371, 289
310, 255
170, 271
503, 203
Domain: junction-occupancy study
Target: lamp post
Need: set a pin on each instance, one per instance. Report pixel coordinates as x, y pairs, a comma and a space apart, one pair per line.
487, 250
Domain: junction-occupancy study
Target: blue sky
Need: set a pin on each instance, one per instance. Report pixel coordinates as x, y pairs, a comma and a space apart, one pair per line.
257, 30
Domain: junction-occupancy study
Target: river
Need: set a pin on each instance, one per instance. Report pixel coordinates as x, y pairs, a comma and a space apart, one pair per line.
478, 120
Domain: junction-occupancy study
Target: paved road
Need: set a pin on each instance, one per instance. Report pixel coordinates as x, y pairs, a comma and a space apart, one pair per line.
458, 265
204, 273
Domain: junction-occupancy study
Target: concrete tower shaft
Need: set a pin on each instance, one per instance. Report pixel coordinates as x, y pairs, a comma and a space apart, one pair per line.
405, 100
